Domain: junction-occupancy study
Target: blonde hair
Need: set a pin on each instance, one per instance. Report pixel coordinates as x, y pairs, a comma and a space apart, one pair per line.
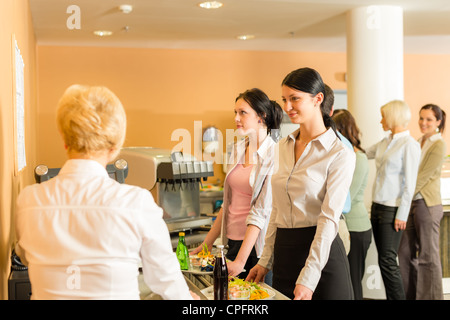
91, 119
396, 113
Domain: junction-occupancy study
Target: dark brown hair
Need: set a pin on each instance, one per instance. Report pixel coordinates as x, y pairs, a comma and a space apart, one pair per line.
269, 110
346, 125
309, 80
438, 113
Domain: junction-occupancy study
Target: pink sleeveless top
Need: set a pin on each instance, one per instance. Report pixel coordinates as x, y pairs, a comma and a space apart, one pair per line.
241, 196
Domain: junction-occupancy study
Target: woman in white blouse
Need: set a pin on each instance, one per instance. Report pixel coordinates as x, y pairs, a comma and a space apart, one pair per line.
247, 201
309, 191
82, 234
419, 257
397, 160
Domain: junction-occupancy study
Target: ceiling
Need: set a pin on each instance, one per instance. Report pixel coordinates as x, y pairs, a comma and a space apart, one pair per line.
278, 25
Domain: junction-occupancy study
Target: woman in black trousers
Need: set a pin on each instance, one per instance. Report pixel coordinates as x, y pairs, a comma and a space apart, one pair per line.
397, 161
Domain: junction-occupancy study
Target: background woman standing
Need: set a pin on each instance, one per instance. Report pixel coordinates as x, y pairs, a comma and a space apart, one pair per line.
357, 220
397, 160
422, 274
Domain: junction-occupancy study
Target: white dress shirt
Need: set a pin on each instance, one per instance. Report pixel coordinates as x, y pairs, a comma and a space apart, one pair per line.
265, 163
397, 161
310, 192
83, 235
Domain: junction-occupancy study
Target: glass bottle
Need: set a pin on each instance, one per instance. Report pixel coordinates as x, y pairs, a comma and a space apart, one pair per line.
182, 252
220, 275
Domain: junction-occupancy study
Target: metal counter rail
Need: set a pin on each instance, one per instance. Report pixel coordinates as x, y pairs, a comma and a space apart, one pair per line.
147, 294
444, 242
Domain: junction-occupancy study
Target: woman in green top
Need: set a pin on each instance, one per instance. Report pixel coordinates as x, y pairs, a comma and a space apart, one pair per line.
358, 222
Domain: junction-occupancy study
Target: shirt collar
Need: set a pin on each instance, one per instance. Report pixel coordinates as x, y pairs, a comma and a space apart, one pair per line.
433, 138
265, 146
326, 139
262, 150
83, 166
400, 135
293, 135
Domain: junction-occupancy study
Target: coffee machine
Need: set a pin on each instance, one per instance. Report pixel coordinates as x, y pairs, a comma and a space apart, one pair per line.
174, 180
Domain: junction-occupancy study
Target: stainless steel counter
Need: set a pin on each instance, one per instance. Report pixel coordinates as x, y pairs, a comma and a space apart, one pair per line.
204, 294
147, 294
444, 242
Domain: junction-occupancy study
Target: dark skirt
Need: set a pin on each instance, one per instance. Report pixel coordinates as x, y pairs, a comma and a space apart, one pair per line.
291, 250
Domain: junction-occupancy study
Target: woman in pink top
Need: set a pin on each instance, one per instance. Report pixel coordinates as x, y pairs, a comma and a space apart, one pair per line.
243, 219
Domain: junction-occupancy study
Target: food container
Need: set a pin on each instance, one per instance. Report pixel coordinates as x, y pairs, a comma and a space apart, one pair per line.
239, 293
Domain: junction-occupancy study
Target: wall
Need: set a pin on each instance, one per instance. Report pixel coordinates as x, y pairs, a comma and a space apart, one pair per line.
166, 89
163, 90
427, 79
15, 18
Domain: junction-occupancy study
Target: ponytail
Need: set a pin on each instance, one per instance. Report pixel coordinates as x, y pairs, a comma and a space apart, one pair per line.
442, 125
329, 122
273, 120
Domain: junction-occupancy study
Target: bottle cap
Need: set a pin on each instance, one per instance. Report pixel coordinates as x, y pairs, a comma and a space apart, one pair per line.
181, 234
220, 246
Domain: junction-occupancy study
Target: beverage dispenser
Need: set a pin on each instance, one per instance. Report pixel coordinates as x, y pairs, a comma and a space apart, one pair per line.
173, 179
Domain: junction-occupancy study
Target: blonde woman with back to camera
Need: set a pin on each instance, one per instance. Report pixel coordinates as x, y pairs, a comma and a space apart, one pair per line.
82, 234
397, 160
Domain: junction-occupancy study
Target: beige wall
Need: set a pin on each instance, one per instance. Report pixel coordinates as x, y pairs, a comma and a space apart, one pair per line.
163, 90
15, 19
427, 80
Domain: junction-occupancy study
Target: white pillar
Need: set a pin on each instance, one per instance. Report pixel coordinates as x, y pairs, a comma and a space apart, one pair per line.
374, 77
374, 65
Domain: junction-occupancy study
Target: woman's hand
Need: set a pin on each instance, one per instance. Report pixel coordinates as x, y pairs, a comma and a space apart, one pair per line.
234, 268
302, 293
257, 274
399, 225
198, 249
194, 295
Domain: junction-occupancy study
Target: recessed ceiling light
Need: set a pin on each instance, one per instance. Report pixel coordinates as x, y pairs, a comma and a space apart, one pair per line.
210, 4
126, 8
103, 33
246, 37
